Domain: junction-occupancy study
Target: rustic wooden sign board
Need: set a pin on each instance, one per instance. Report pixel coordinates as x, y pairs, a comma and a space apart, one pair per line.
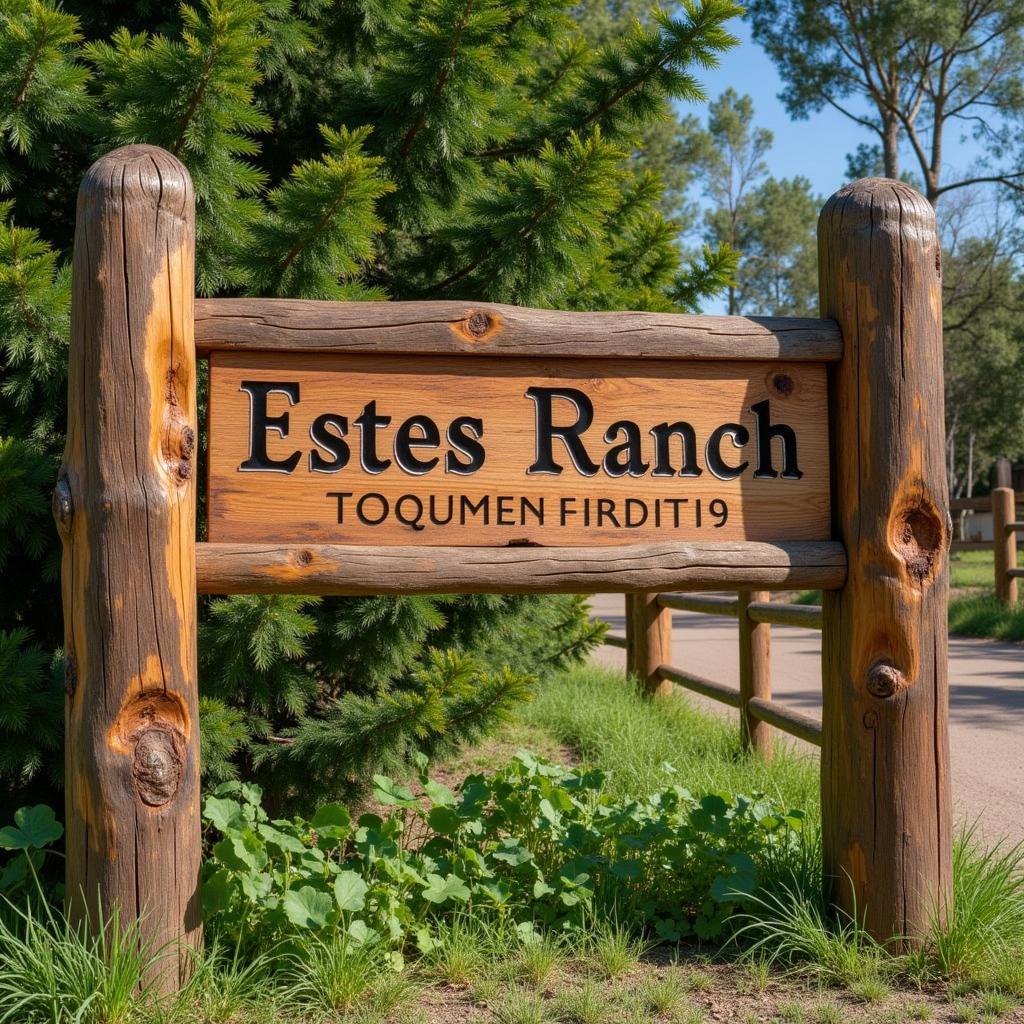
644, 451
475, 451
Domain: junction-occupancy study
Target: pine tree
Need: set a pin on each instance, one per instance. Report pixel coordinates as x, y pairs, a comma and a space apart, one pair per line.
399, 149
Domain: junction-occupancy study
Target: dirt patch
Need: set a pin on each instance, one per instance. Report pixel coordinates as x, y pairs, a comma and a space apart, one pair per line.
705, 992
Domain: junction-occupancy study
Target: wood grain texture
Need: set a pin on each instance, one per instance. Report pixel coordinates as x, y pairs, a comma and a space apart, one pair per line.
755, 640
698, 684
885, 756
449, 327
703, 604
125, 507
443, 507
1005, 544
354, 571
789, 720
648, 642
777, 613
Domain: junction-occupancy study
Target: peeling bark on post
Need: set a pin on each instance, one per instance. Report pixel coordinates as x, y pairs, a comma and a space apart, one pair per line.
885, 752
125, 507
648, 642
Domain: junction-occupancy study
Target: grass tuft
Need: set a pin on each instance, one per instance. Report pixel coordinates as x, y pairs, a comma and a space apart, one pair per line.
611, 950
535, 961
333, 974
53, 972
662, 995
983, 938
584, 1005
791, 929
521, 1006
982, 615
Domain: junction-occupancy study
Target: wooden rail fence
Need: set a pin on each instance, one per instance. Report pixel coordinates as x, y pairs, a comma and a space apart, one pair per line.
1002, 503
648, 646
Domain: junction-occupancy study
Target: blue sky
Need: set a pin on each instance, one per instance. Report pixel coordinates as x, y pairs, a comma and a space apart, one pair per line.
815, 148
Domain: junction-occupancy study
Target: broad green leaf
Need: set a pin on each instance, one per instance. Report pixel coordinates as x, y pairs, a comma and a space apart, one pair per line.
440, 890
387, 791
283, 841
223, 813
307, 907
241, 851
444, 820
33, 828
510, 852
350, 891
439, 794
331, 816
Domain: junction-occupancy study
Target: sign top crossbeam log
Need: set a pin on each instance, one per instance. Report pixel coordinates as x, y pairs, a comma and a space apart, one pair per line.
451, 327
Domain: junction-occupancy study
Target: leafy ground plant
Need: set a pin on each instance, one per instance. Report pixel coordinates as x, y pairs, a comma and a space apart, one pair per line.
533, 847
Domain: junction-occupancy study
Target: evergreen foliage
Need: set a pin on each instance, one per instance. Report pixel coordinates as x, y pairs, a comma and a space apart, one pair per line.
400, 149
772, 221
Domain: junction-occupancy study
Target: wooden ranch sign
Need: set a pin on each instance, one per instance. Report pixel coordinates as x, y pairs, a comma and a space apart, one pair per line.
471, 450
428, 447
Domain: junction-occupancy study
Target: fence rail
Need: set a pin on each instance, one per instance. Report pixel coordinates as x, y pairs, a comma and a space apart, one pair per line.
1002, 503
648, 645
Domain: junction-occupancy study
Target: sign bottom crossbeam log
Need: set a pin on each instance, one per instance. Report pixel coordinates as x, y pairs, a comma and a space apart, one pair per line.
234, 568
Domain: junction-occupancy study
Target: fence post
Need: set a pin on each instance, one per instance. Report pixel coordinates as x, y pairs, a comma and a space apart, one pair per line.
1005, 542
885, 751
125, 507
755, 673
648, 641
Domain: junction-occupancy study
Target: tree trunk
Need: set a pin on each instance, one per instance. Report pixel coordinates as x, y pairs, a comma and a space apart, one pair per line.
891, 145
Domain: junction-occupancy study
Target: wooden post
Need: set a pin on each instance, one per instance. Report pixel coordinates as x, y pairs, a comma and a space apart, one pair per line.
885, 750
1005, 543
125, 507
648, 641
755, 673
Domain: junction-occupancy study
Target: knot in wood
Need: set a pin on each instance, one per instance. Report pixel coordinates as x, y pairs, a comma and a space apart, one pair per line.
63, 504
885, 680
478, 323
918, 538
783, 384
157, 765
188, 442
304, 557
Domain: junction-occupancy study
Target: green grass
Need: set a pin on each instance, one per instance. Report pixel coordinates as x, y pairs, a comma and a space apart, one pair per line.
975, 568
983, 616
644, 745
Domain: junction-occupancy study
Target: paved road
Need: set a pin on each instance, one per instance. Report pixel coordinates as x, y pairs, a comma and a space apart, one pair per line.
986, 702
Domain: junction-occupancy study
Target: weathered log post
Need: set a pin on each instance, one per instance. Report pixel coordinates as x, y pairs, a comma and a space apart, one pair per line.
885, 751
755, 672
648, 642
1005, 544
125, 507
